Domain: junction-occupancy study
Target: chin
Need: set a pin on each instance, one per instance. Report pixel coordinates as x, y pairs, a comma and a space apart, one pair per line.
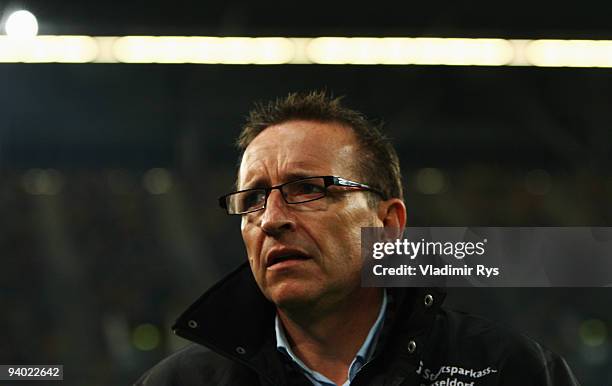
290, 295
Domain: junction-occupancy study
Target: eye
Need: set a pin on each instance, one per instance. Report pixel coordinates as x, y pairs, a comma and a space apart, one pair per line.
252, 198
308, 188
304, 190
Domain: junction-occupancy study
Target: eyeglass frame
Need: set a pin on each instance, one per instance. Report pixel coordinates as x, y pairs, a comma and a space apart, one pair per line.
327, 181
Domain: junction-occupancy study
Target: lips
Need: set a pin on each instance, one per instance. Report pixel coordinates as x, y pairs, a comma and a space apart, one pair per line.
280, 255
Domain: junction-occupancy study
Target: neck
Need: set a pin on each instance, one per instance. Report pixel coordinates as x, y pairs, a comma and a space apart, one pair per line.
327, 340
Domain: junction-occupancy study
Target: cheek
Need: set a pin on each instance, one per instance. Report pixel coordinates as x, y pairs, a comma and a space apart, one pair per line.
249, 237
339, 237
349, 230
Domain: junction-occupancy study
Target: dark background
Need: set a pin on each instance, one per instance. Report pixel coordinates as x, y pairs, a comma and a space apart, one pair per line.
109, 173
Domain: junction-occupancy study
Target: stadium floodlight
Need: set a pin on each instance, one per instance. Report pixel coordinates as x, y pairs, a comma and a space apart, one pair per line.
21, 24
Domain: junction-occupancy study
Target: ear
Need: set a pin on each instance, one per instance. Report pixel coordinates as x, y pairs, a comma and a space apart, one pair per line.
392, 214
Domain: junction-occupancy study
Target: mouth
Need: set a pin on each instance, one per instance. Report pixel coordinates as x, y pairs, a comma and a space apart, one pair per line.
279, 259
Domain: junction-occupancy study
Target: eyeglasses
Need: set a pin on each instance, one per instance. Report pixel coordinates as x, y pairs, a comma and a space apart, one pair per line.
294, 192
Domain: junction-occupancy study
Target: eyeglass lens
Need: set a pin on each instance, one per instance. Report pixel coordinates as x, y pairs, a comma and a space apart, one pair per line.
295, 192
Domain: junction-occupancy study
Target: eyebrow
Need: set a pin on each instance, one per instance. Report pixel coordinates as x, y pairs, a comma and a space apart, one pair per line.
293, 176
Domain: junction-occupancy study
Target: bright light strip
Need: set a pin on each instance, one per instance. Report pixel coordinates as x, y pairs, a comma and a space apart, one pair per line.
570, 53
322, 50
426, 51
208, 50
48, 49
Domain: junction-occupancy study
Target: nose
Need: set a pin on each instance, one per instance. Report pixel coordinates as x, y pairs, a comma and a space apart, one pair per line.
276, 218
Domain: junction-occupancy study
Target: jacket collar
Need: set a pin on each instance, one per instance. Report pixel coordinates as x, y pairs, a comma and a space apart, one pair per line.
234, 319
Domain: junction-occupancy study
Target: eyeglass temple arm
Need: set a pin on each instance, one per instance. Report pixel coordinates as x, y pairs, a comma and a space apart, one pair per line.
344, 182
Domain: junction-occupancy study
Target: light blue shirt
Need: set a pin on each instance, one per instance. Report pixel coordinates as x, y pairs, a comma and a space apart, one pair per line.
363, 355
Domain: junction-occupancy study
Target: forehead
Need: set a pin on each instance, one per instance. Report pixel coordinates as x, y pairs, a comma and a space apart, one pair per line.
298, 148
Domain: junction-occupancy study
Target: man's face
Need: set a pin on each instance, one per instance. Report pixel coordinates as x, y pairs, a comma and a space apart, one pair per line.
305, 254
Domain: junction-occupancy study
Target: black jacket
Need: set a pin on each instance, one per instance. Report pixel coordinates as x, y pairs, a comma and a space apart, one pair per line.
421, 343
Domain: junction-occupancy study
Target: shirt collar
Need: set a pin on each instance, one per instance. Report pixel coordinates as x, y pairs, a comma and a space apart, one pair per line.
361, 358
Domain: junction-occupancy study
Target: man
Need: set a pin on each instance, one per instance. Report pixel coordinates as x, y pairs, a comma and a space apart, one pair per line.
312, 174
